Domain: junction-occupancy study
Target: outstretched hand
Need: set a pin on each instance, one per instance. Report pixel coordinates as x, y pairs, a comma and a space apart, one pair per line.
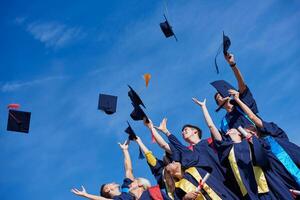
230, 58
125, 145
148, 123
163, 126
235, 94
82, 193
202, 104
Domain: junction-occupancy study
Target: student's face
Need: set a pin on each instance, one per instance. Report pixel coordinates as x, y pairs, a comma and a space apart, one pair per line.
234, 134
188, 132
112, 188
134, 184
174, 169
222, 101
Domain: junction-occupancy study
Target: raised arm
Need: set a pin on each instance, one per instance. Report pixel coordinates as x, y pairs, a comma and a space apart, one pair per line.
257, 121
212, 127
237, 73
127, 160
142, 145
159, 139
83, 193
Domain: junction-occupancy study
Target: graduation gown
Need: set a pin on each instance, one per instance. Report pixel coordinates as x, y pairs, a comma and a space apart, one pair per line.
203, 160
213, 189
237, 117
154, 193
246, 161
285, 151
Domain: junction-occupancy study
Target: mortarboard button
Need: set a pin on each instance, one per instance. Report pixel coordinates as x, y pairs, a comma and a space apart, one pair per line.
107, 103
18, 121
167, 29
135, 99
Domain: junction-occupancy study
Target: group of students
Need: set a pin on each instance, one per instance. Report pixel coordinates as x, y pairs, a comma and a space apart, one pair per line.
245, 158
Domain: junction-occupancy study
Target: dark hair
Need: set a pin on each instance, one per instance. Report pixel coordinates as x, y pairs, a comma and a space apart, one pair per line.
104, 194
195, 127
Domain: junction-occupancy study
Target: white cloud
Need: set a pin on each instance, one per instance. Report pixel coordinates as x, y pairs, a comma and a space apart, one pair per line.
12, 86
54, 34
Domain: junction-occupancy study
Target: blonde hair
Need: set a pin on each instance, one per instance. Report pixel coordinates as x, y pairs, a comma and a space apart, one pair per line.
144, 182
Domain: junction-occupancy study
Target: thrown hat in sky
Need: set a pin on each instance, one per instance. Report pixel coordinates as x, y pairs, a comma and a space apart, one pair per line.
167, 29
18, 121
107, 103
135, 99
225, 47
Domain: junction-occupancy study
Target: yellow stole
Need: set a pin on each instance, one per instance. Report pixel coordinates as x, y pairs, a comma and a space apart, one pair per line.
260, 178
187, 186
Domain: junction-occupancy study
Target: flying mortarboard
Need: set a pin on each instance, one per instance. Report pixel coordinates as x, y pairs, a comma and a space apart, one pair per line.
225, 44
138, 114
107, 103
18, 121
167, 29
222, 87
136, 100
132, 136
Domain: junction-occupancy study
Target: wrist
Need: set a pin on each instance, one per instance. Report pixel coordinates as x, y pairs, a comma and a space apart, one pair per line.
232, 64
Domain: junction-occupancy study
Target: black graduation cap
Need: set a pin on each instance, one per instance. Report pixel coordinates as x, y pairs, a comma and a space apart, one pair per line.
107, 103
167, 29
136, 100
222, 87
138, 114
131, 133
132, 136
225, 44
18, 121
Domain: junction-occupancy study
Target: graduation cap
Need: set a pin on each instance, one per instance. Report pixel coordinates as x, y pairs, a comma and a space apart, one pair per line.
222, 87
107, 103
225, 44
135, 99
167, 29
138, 114
132, 136
18, 121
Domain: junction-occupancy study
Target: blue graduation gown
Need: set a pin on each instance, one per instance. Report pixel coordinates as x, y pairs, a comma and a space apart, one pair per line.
205, 159
217, 187
237, 117
243, 159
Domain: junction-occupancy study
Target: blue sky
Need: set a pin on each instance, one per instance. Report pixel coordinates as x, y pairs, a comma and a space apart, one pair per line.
56, 57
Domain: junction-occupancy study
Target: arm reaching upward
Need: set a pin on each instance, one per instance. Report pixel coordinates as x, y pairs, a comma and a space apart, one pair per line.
127, 160
159, 139
237, 73
257, 121
212, 127
83, 193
